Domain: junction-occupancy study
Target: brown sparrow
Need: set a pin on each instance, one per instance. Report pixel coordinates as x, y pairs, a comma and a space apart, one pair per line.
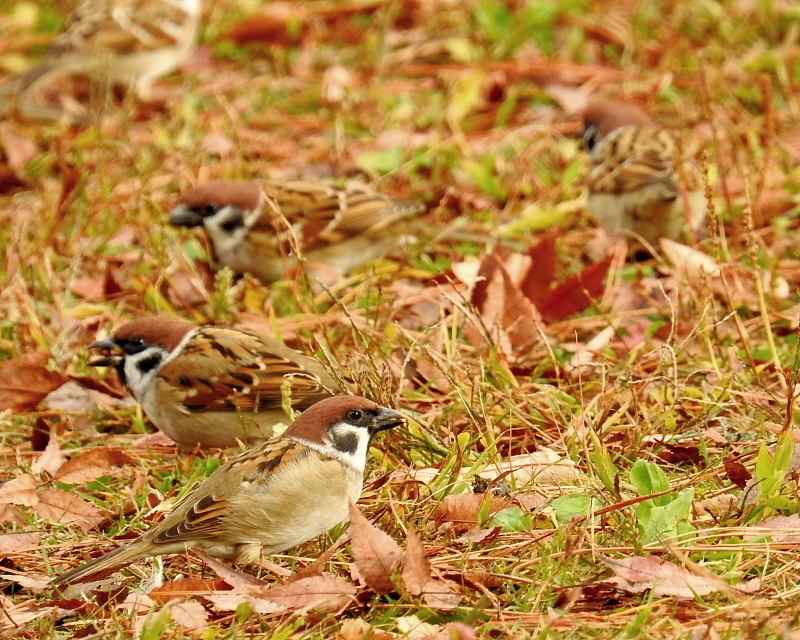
129, 42
638, 182
263, 227
273, 497
212, 385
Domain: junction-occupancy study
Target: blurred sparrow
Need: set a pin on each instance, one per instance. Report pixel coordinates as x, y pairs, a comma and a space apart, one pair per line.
639, 184
212, 385
273, 497
263, 227
130, 42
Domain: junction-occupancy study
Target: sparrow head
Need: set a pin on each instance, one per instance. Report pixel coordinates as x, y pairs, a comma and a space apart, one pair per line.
342, 426
601, 118
222, 206
145, 345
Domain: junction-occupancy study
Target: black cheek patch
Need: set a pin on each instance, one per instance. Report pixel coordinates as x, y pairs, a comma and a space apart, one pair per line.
232, 225
346, 443
148, 364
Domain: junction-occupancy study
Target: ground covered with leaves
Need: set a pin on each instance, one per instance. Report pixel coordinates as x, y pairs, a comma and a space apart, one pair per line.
598, 448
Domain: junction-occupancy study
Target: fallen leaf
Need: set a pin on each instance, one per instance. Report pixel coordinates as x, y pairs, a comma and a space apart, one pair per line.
662, 577
14, 515
577, 292
779, 528
18, 542
20, 490
190, 615
325, 592
442, 594
231, 602
737, 473
360, 629
65, 507
25, 381
465, 508
236, 579
50, 459
187, 587
375, 554
416, 567
413, 628
91, 465
20, 150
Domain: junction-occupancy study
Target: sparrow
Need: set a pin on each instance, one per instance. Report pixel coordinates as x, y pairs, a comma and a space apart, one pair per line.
265, 227
211, 385
272, 497
131, 42
638, 182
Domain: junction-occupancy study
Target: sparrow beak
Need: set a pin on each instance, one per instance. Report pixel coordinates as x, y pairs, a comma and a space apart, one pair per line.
106, 361
386, 419
182, 216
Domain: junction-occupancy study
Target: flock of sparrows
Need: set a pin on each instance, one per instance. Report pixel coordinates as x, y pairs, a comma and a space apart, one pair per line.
215, 386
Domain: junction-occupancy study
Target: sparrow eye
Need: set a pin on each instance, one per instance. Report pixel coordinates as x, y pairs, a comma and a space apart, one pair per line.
354, 415
136, 343
207, 210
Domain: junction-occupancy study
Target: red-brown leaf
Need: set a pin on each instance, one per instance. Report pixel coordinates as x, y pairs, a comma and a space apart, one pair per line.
25, 381
91, 465
577, 292
416, 568
375, 554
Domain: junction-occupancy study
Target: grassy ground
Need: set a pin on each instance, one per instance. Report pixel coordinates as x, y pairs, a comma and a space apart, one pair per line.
640, 412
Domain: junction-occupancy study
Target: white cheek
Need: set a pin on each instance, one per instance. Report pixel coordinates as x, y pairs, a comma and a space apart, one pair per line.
140, 382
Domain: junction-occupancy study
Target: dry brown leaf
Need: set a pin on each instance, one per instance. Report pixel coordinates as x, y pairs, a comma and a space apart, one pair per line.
19, 542
14, 515
13, 616
442, 594
190, 615
50, 459
416, 567
779, 528
465, 508
20, 490
375, 554
91, 465
662, 577
413, 628
231, 601
20, 150
68, 508
325, 592
236, 579
186, 587
360, 629
25, 381
577, 292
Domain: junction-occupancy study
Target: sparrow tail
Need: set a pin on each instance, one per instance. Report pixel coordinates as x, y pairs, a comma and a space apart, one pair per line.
118, 556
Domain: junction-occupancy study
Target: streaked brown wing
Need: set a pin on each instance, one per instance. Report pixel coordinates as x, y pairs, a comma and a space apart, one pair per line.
202, 514
322, 215
128, 26
633, 158
241, 372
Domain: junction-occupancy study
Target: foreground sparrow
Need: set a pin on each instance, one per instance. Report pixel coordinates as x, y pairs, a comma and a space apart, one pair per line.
212, 385
638, 182
272, 497
129, 42
258, 227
